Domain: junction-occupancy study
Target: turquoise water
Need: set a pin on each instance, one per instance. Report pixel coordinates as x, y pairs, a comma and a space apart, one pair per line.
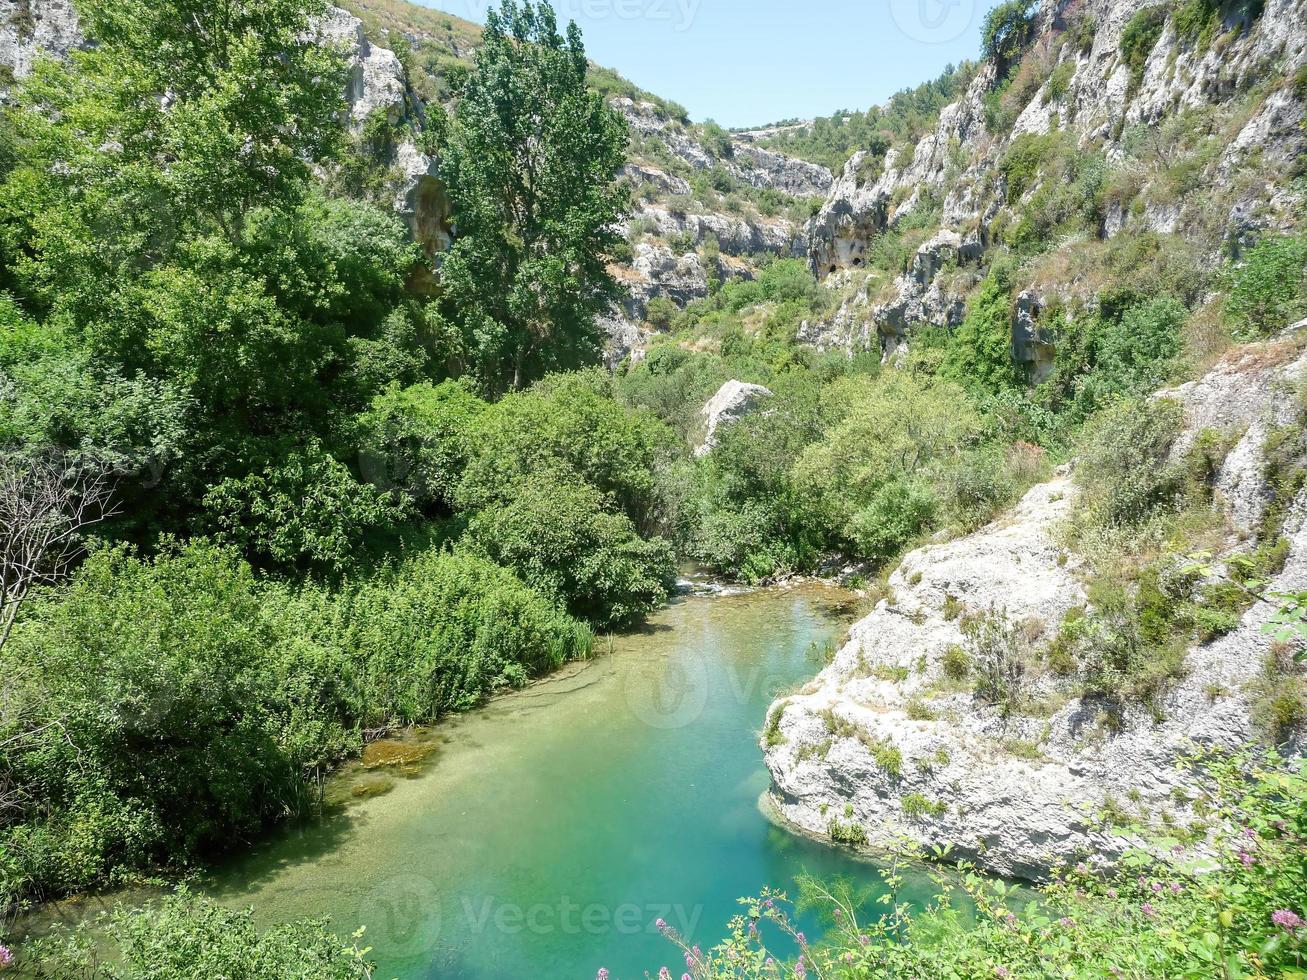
545, 834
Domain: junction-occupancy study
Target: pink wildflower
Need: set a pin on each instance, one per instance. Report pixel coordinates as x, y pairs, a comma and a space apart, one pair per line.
1066, 923
1247, 859
1111, 893
803, 940
602, 974
1148, 910
1287, 919
660, 924
1176, 888
664, 974
7, 956
799, 969
1001, 971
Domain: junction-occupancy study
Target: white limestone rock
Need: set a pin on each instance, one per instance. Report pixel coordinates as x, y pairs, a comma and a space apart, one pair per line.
1021, 814
733, 401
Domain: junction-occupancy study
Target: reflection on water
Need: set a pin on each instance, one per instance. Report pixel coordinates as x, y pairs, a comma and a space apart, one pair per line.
544, 835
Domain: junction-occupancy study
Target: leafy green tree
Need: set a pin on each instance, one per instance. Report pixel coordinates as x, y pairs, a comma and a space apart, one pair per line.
531, 165
981, 351
1269, 291
870, 470
559, 537
1005, 33
420, 439
163, 218
304, 509
566, 427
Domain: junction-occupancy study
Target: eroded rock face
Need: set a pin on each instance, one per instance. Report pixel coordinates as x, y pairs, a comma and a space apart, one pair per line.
32, 28
1017, 794
1242, 399
376, 78
1098, 106
733, 401
751, 164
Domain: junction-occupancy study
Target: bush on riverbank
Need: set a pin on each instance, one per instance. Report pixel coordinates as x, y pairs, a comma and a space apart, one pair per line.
192, 938
160, 710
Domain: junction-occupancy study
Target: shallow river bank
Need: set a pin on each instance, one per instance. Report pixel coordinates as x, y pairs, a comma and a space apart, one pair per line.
543, 835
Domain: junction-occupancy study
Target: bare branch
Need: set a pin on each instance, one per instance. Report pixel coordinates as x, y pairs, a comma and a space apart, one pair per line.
46, 503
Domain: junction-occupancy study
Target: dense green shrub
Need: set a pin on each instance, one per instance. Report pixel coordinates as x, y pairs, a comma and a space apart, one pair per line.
435, 635
191, 938
305, 510
569, 427
151, 719
1005, 33
1127, 349
674, 383
981, 350
871, 471
896, 514
420, 439
1138, 38
1124, 466
162, 710
559, 537
1268, 291
660, 312
1059, 83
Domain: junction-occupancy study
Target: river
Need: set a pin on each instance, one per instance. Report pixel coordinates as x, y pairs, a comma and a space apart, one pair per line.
543, 835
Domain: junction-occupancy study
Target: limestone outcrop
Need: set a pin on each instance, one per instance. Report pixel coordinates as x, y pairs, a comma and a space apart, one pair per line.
31, 28
955, 180
733, 401
882, 744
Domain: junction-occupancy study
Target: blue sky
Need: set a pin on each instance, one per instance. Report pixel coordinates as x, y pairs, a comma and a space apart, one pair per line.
748, 62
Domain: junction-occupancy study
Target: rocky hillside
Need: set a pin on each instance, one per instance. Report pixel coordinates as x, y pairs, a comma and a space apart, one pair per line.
1178, 125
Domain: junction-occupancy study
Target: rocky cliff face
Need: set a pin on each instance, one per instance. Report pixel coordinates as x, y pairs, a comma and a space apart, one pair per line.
29, 28
882, 744
1218, 112
704, 210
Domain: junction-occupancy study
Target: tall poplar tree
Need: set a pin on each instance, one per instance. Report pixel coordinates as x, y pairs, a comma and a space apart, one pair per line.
531, 164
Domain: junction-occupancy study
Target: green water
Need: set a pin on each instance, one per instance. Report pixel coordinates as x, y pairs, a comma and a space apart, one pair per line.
547, 832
